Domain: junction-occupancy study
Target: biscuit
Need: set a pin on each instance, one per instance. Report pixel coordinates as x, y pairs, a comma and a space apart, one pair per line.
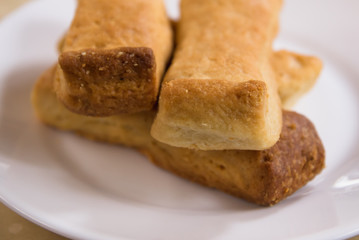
220, 91
113, 57
295, 75
263, 177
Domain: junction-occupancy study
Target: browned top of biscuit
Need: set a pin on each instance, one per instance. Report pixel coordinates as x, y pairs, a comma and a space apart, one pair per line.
108, 81
113, 57
220, 65
117, 23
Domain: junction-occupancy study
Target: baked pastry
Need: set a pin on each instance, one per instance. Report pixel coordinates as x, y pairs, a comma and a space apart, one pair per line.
295, 75
113, 56
262, 177
220, 91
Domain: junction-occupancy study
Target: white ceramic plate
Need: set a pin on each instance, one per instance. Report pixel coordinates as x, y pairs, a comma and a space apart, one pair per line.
88, 190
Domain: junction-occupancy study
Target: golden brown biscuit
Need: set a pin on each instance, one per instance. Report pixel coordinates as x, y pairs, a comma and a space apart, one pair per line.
220, 91
113, 56
295, 75
263, 177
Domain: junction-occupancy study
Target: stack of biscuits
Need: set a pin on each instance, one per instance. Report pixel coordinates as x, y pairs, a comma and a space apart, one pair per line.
203, 98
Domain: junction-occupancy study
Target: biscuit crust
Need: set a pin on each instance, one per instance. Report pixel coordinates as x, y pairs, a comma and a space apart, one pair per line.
113, 57
289, 66
263, 177
226, 44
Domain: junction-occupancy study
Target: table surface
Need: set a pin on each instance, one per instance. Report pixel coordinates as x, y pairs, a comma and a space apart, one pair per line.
13, 226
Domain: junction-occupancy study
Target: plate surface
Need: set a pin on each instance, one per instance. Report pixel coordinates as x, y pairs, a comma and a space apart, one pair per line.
87, 190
